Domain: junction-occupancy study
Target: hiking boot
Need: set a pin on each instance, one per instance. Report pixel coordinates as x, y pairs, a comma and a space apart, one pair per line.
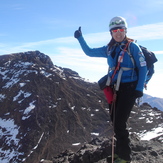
109, 158
119, 160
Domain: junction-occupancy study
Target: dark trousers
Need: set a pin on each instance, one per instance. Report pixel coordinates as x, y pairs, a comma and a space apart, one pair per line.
119, 116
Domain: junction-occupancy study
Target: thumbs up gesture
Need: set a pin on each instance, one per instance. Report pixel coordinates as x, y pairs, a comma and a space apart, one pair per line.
78, 33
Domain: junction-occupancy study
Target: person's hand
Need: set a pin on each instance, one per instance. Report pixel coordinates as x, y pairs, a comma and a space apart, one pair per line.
137, 94
78, 33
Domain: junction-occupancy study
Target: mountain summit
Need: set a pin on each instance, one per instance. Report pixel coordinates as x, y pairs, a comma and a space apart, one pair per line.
42, 105
46, 109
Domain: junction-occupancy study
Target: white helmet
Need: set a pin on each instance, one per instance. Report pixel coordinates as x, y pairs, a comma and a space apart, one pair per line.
117, 22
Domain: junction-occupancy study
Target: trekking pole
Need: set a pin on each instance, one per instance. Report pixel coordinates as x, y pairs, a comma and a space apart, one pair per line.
113, 113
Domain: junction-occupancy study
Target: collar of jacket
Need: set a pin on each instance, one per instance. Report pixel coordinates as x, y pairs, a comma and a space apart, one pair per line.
121, 43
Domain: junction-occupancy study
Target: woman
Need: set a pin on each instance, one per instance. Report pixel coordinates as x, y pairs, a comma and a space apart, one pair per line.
132, 79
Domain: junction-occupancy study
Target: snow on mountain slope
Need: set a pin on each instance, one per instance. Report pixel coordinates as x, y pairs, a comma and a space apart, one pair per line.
10, 143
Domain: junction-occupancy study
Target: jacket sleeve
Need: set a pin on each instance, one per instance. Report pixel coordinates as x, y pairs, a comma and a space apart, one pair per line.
140, 65
92, 52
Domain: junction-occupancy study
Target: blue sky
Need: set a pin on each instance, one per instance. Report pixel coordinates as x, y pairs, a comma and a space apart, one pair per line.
48, 26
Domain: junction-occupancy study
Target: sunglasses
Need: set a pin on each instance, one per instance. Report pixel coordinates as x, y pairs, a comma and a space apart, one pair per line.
120, 30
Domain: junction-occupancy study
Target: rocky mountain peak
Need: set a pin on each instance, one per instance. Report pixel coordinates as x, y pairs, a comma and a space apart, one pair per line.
34, 57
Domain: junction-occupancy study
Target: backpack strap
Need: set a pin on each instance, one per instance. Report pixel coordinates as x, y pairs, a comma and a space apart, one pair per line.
120, 59
120, 75
120, 69
131, 57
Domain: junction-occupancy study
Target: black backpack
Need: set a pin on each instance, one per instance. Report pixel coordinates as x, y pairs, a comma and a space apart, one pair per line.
150, 59
149, 56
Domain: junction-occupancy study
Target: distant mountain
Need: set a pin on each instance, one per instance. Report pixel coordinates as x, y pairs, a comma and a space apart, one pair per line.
153, 101
46, 109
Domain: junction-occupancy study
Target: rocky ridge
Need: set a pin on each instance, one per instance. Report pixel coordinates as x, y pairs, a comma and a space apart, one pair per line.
98, 150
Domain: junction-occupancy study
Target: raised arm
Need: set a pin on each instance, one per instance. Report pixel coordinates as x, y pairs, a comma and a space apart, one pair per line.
92, 52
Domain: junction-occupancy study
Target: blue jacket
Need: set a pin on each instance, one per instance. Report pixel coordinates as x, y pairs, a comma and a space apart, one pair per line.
127, 76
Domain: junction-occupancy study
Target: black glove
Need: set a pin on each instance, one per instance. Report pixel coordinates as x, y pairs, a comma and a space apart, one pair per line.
138, 94
78, 33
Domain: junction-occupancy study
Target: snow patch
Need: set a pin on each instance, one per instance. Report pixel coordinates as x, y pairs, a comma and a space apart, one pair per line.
28, 110
97, 110
22, 84
25, 94
152, 134
8, 133
83, 108
10, 129
2, 97
60, 72
34, 147
96, 134
76, 144
46, 74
